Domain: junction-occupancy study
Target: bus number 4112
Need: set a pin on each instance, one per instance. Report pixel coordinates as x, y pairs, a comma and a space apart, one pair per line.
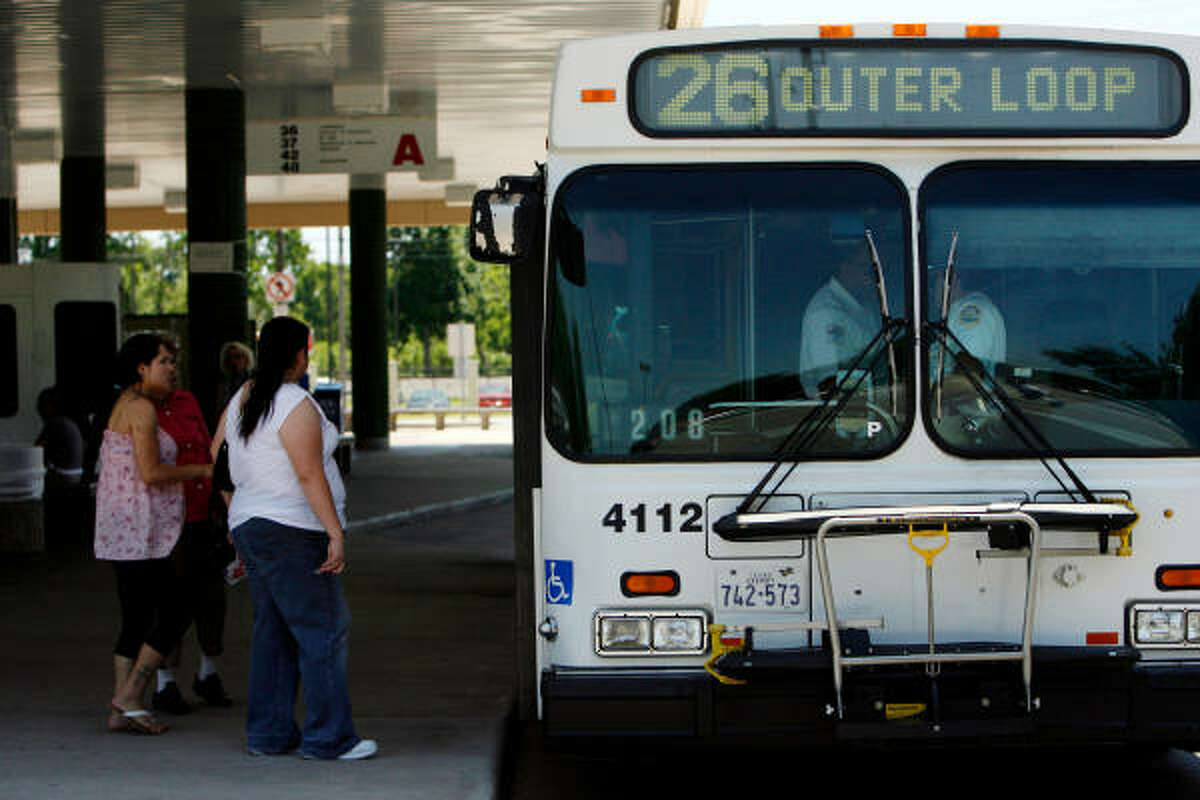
689, 518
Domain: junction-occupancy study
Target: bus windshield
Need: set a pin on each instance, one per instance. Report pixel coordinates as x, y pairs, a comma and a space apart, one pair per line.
703, 312
1076, 287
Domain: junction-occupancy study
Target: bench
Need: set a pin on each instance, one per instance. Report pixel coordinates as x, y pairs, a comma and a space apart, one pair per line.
440, 414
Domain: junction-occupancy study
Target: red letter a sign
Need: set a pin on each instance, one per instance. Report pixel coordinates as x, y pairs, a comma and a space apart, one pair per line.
408, 150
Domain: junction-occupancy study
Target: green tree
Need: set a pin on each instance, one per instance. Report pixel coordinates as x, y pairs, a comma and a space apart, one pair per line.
487, 304
262, 258
153, 271
41, 248
153, 268
427, 285
316, 303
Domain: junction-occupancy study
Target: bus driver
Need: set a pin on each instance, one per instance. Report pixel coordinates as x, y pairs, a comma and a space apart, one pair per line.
979, 326
842, 317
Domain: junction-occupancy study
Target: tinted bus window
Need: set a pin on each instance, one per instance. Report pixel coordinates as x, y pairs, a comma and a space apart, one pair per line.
703, 313
1077, 288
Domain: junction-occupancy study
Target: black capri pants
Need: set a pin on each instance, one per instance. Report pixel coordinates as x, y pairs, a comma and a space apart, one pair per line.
153, 609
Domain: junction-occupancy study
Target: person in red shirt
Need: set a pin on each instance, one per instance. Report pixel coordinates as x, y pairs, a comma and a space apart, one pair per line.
198, 556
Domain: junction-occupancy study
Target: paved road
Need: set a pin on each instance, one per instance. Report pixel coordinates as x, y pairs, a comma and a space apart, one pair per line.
539, 772
430, 673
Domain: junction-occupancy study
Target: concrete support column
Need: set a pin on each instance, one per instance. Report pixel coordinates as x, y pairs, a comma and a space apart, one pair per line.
81, 177
8, 126
8, 200
216, 219
82, 213
368, 309
215, 136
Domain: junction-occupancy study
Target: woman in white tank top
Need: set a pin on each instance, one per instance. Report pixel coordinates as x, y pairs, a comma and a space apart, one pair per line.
288, 521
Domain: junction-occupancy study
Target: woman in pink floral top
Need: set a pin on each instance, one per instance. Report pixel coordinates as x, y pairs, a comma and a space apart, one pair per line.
139, 513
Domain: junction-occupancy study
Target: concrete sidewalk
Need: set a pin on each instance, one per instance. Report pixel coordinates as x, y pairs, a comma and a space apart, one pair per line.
430, 588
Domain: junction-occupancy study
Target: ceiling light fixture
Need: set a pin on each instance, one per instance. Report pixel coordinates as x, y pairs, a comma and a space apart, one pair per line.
295, 35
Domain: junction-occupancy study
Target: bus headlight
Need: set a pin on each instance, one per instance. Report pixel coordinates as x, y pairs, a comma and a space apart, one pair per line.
624, 634
1193, 626
674, 632
678, 633
1160, 626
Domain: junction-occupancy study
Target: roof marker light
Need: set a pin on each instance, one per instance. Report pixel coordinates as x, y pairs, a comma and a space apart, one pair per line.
598, 95
908, 29
983, 31
837, 31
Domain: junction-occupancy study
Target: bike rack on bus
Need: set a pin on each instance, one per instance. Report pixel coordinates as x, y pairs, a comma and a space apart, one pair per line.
943, 519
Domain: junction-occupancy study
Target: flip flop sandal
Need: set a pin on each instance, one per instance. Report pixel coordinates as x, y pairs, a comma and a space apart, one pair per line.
139, 721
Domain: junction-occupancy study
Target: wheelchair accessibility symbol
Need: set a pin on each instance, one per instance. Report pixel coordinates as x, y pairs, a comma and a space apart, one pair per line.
560, 582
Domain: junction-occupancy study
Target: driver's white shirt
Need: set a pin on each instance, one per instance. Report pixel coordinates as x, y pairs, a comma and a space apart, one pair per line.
836, 328
977, 323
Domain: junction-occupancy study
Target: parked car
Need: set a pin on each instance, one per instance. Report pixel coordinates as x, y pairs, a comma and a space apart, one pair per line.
427, 398
495, 395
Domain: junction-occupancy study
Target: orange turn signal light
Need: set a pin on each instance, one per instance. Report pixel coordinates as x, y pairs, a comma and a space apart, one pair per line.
1174, 577
644, 584
909, 29
598, 95
983, 31
837, 31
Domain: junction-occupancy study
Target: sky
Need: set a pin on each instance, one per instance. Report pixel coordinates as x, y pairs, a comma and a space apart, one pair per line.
1168, 16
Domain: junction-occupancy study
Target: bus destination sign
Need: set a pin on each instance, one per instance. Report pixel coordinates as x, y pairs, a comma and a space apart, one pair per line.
934, 89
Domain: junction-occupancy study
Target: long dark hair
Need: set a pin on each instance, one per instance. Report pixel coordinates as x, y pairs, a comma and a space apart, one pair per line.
137, 351
278, 345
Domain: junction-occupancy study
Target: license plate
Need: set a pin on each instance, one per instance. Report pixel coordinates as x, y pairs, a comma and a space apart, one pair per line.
762, 587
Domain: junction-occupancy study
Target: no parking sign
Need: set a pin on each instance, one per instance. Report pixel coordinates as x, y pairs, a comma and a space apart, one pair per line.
280, 287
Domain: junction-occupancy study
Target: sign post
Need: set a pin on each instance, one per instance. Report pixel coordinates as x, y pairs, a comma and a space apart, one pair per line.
460, 341
280, 289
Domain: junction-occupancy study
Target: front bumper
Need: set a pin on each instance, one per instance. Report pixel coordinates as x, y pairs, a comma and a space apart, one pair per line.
1081, 695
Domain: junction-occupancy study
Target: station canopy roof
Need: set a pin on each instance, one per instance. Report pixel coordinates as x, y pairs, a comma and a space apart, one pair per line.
471, 78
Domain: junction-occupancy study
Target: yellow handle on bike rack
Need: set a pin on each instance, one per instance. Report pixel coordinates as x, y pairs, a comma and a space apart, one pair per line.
928, 553
1125, 535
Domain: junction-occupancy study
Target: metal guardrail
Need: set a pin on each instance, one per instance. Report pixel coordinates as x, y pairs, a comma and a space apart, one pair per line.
440, 414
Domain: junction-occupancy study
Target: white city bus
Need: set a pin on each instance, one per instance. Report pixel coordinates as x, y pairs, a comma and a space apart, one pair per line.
860, 376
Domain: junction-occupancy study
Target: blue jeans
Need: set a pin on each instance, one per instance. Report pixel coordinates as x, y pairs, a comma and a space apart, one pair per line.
301, 622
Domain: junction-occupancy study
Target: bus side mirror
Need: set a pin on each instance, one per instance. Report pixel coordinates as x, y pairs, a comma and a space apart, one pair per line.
503, 221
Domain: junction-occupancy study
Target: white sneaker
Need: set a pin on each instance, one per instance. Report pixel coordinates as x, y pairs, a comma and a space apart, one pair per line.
364, 749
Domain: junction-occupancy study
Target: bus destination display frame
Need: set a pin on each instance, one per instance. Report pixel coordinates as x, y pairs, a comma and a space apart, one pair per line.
902, 92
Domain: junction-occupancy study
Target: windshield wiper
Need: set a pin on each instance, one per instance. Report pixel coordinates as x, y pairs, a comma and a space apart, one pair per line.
994, 395
801, 437
885, 314
947, 281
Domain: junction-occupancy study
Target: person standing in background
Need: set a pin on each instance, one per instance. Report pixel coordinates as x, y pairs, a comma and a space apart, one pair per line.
196, 558
237, 362
60, 439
